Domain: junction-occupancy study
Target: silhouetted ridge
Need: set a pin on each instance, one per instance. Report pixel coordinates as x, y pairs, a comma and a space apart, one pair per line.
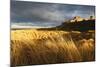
80, 25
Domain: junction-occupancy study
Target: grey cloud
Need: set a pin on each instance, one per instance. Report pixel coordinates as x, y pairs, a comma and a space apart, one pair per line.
36, 12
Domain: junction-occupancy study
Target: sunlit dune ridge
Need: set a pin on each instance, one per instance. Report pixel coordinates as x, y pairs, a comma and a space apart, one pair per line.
34, 34
46, 47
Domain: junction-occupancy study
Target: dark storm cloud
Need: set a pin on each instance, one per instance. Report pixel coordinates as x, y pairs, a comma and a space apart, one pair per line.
48, 13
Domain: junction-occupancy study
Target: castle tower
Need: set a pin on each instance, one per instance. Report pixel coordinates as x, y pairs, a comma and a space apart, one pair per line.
92, 17
78, 18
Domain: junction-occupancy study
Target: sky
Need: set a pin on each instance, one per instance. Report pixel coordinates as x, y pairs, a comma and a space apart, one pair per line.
41, 15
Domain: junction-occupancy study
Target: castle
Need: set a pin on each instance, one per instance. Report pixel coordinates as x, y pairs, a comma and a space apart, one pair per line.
78, 19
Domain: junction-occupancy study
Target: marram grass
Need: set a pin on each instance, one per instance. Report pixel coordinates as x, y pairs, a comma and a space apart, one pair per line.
33, 47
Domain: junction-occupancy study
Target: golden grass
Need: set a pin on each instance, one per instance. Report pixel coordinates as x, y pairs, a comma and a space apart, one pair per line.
47, 47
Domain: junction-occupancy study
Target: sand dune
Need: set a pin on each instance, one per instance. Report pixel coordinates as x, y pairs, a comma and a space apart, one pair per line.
47, 47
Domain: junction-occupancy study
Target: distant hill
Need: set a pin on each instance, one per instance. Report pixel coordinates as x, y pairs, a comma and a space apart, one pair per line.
80, 25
